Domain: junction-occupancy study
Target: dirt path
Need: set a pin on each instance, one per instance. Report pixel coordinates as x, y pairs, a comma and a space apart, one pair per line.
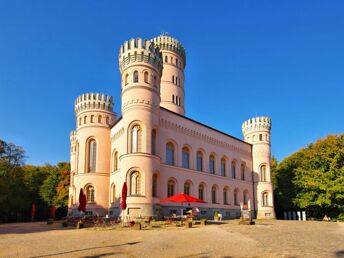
266, 239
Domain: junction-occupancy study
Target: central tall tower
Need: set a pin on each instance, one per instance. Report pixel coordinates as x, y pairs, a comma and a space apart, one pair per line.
172, 79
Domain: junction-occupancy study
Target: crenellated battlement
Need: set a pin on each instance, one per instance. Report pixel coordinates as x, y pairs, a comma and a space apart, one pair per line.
166, 42
138, 50
72, 136
259, 123
93, 102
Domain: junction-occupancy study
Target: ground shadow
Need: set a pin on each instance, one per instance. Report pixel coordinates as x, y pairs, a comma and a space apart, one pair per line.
86, 249
340, 253
31, 227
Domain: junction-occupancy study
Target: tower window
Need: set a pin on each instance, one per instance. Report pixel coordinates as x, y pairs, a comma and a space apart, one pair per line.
265, 198
263, 173
90, 193
126, 79
172, 78
92, 155
170, 188
136, 139
185, 158
169, 154
92, 116
153, 142
136, 76
199, 160
155, 186
173, 98
260, 137
166, 59
201, 192
135, 183
146, 77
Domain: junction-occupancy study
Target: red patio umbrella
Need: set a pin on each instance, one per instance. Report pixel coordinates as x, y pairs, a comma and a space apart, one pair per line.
182, 198
124, 198
82, 201
33, 211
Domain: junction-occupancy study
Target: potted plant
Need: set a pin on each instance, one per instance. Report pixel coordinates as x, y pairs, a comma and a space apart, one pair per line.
216, 216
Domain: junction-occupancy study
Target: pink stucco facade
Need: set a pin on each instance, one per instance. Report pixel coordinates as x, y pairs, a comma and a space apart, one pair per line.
159, 151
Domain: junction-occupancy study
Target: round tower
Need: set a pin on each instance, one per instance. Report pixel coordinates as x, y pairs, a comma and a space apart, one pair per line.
256, 131
140, 65
90, 156
172, 79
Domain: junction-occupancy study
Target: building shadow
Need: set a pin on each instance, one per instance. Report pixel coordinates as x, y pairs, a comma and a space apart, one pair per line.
87, 249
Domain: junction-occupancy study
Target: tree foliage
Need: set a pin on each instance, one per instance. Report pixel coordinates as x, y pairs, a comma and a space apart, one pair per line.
312, 178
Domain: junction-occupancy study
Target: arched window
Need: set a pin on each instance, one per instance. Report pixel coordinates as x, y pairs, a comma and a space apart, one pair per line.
170, 154
199, 161
201, 192
155, 83
113, 193
107, 120
245, 197
115, 161
242, 171
187, 188
265, 198
85, 119
146, 77
126, 79
92, 155
170, 188
263, 173
212, 164
80, 121
172, 78
92, 117
225, 195
213, 194
135, 183
136, 76
233, 169
90, 193
223, 167
260, 137
173, 98
99, 119
136, 139
185, 158
236, 201
153, 142
155, 186
166, 59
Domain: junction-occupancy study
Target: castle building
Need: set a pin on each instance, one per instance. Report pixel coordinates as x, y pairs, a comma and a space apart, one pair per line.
158, 151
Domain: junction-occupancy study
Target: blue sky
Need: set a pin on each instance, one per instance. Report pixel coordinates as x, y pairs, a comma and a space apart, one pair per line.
283, 59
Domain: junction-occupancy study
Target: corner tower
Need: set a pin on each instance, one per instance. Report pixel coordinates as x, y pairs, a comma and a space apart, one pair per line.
90, 151
256, 131
140, 65
172, 79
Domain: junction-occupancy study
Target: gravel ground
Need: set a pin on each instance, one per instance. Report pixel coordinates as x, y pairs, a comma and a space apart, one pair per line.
274, 238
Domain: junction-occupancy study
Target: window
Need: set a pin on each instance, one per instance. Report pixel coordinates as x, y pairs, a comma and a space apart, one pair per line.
265, 198
187, 188
92, 117
223, 167
225, 196
260, 137
126, 79
212, 164
245, 197
92, 155
233, 169
113, 193
135, 183
85, 119
107, 120
236, 201
166, 59
172, 78
263, 173
155, 82
169, 154
99, 119
243, 171
136, 139
136, 76
213, 194
90, 193
155, 186
80, 121
153, 142
201, 192
199, 161
185, 158
170, 188
173, 98
146, 77
115, 161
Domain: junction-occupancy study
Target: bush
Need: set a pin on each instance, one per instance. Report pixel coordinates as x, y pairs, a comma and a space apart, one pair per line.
341, 217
